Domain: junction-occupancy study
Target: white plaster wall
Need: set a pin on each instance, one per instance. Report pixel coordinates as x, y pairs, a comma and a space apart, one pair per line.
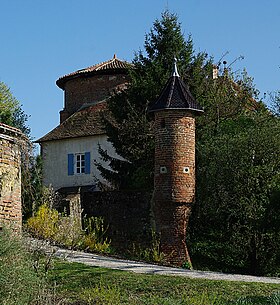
55, 158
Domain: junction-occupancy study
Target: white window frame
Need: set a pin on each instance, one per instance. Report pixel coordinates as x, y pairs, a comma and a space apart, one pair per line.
80, 163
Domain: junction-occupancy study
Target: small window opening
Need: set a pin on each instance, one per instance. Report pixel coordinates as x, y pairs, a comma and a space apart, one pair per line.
162, 123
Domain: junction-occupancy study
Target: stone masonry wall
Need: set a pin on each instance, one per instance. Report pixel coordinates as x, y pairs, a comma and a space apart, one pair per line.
126, 213
83, 90
10, 178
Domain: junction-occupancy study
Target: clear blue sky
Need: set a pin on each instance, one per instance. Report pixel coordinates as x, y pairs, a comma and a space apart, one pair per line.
42, 40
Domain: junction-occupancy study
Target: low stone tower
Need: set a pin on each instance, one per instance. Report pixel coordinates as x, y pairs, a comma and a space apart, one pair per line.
174, 189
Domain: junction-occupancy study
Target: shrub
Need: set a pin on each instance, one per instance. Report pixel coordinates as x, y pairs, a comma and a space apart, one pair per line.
45, 223
151, 253
66, 231
94, 238
20, 283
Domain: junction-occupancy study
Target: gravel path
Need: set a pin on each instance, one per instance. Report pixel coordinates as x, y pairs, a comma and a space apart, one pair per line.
95, 260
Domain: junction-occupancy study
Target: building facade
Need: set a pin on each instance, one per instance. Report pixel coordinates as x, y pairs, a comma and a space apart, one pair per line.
70, 151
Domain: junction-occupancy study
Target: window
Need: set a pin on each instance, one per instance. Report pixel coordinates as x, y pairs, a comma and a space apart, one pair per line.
79, 163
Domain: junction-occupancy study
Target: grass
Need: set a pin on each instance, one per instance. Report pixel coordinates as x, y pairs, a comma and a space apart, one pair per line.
20, 282
90, 285
26, 278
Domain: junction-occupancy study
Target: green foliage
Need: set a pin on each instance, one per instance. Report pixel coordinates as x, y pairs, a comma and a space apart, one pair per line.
95, 235
10, 110
235, 223
150, 253
45, 224
128, 126
12, 114
20, 282
33, 192
187, 265
50, 225
234, 226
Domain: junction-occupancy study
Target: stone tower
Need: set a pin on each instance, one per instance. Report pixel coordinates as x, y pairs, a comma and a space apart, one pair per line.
174, 179
12, 142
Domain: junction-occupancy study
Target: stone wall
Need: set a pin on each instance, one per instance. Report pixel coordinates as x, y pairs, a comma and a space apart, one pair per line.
10, 177
126, 213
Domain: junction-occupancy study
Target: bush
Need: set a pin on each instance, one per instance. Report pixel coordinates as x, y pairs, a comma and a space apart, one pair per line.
94, 238
20, 283
66, 231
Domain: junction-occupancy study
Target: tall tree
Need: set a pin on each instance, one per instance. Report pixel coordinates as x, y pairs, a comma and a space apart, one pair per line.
11, 113
235, 222
128, 126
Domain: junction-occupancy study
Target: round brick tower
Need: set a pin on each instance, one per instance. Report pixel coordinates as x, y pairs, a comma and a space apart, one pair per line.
92, 84
174, 188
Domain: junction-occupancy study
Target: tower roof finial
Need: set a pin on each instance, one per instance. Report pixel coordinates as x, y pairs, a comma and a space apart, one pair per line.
175, 70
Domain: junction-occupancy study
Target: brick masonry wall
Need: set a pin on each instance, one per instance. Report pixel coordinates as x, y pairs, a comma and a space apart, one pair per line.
126, 213
10, 178
174, 180
83, 90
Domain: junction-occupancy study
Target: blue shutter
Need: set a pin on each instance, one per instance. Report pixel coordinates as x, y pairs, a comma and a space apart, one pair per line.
87, 163
70, 164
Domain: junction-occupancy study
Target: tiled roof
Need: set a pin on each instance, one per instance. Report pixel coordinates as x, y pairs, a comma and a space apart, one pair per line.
113, 65
175, 95
85, 122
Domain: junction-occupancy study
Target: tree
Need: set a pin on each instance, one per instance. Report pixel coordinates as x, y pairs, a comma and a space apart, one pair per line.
11, 112
235, 223
128, 126
32, 185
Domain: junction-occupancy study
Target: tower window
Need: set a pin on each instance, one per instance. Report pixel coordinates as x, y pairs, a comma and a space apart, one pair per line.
162, 123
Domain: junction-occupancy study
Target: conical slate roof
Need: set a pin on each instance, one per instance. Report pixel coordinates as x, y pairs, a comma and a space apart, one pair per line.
113, 66
175, 95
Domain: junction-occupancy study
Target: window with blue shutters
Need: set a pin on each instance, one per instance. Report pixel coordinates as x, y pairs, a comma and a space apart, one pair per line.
79, 163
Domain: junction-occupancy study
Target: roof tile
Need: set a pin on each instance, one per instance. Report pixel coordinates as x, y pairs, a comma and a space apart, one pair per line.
85, 122
112, 65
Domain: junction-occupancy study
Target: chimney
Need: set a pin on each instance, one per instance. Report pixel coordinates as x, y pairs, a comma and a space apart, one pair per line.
215, 71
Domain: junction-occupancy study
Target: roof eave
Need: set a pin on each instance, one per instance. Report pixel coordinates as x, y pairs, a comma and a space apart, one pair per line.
41, 140
166, 109
64, 79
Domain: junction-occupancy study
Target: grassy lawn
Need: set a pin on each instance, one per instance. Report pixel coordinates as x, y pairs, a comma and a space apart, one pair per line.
92, 285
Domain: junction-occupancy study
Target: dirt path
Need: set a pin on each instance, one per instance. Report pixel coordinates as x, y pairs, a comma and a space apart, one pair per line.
95, 260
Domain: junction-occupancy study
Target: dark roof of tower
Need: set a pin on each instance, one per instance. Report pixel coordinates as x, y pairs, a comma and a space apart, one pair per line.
113, 66
175, 95
85, 122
